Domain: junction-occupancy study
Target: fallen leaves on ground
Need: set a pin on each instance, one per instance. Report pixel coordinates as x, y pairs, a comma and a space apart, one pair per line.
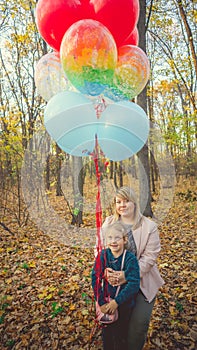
46, 297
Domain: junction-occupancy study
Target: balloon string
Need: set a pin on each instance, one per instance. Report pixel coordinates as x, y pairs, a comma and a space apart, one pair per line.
98, 197
98, 216
99, 106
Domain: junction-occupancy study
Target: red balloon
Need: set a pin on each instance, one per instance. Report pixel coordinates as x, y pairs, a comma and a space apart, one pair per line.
133, 38
54, 17
119, 16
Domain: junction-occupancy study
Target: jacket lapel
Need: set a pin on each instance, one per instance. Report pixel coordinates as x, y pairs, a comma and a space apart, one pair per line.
141, 236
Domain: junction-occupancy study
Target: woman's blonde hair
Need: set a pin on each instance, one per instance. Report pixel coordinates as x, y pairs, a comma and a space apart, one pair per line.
127, 193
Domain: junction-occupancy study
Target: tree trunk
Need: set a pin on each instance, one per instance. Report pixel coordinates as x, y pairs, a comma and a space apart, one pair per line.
132, 167
111, 169
58, 171
153, 168
120, 174
77, 180
188, 31
115, 175
48, 172
48, 167
144, 168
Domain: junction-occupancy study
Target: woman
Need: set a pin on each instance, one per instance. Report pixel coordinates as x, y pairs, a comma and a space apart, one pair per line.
143, 241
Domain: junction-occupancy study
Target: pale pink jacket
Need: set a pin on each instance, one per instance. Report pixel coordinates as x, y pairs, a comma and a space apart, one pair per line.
147, 241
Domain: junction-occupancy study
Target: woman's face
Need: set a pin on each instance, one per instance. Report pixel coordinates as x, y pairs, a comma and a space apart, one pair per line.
124, 207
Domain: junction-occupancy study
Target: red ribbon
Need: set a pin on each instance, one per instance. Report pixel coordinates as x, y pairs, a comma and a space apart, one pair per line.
98, 197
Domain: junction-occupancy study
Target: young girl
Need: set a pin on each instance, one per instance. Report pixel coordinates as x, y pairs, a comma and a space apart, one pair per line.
115, 334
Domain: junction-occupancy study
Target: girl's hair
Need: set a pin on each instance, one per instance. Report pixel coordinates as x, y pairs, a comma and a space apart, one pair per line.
127, 193
118, 226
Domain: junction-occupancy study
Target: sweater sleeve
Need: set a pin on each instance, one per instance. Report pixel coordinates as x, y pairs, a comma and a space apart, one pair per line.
132, 274
151, 251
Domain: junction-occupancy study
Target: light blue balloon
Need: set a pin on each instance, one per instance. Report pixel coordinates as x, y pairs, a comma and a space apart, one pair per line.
124, 131
122, 128
68, 117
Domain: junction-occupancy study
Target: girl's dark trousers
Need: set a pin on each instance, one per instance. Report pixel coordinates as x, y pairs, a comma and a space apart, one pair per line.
115, 335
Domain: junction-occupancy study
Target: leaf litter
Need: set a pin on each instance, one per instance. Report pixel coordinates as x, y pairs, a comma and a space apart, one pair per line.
46, 300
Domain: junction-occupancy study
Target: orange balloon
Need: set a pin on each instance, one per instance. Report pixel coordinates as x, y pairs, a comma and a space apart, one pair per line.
131, 73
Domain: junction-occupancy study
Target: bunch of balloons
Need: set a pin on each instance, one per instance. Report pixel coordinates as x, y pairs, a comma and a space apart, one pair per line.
95, 65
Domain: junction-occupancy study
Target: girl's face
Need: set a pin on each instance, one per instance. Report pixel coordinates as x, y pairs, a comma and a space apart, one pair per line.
115, 241
124, 207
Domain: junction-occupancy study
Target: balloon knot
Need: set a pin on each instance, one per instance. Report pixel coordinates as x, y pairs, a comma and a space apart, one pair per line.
99, 106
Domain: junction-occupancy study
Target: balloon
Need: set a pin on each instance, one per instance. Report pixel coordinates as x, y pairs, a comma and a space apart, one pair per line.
123, 130
89, 55
133, 38
70, 118
49, 76
131, 74
53, 18
119, 16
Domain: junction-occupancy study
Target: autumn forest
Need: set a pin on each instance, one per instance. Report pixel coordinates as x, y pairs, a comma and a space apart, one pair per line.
48, 197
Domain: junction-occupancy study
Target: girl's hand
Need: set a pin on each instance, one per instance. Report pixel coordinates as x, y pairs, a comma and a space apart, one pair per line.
115, 278
111, 307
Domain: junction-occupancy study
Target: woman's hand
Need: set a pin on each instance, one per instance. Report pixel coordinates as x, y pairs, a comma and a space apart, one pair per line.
115, 278
109, 308
104, 308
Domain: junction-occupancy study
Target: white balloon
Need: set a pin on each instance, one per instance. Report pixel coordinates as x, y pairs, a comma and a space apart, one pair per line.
50, 78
